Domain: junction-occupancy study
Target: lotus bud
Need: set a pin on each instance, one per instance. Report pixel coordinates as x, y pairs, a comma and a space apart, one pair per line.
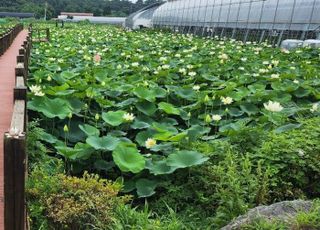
49, 78
103, 83
208, 119
65, 129
97, 117
206, 98
70, 115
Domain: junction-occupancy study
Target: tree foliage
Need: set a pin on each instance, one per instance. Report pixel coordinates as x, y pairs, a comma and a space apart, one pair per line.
54, 7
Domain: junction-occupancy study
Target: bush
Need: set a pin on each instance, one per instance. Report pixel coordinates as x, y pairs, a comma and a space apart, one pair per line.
37, 152
218, 191
64, 202
129, 218
294, 159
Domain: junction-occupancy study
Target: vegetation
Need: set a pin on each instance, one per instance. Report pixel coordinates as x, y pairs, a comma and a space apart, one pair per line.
196, 130
54, 7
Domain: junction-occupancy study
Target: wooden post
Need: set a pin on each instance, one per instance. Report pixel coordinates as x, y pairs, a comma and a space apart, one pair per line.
14, 181
48, 34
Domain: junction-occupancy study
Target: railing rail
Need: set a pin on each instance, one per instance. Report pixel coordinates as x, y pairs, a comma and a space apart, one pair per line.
40, 34
15, 154
7, 38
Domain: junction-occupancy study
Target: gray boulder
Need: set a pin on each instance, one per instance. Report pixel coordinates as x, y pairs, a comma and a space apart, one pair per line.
284, 210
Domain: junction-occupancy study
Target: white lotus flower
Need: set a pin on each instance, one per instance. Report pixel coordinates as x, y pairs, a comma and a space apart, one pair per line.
216, 117
183, 71
226, 100
128, 117
275, 62
196, 87
165, 66
135, 64
192, 74
296, 81
273, 106
275, 76
35, 88
314, 107
40, 94
163, 59
150, 142
224, 56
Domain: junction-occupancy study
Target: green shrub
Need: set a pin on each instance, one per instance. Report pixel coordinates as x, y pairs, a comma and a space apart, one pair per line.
223, 188
129, 218
294, 159
64, 202
37, 152
262, 224
308, 220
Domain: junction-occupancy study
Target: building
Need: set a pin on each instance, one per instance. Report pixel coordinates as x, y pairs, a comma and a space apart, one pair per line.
142, 18
77, 17
72, 14
256, 20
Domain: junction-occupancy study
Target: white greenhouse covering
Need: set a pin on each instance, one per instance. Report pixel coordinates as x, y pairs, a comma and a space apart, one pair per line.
241, 19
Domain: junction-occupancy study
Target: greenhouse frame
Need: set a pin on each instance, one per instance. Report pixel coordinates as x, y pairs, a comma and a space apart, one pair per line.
247, 20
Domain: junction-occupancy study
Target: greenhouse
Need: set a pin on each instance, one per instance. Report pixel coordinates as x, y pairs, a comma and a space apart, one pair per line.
255, 20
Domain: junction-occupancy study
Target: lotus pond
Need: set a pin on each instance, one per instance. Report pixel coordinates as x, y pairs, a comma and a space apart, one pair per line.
129, 105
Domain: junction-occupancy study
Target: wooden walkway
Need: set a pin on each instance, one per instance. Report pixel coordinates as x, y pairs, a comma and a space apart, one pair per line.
8, 62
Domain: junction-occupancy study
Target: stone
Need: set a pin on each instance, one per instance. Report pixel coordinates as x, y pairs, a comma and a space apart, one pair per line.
284, 210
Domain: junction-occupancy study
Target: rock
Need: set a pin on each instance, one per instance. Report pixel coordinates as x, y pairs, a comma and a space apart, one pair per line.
284, 210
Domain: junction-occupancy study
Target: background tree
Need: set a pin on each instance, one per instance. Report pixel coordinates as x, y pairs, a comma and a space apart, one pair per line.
97, 7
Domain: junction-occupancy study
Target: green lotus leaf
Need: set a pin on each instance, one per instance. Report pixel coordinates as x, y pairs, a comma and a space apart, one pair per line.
128, 159
178, 137
159, 92
84, 151
287, 127
249, 108
235, 112
145, 187
146, 107
47, 137
103, 165
137, 124
184, 159
113, 118
168, 108
51, 107
89, 130
143, 136
103, 143
68, 75
145, 94
188, 94
159, 167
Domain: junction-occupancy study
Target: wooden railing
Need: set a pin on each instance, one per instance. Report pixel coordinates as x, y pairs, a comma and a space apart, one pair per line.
40, 34
15, 155
7, 38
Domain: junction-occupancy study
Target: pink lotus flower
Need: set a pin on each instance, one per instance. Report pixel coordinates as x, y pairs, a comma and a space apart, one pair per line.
97, 58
